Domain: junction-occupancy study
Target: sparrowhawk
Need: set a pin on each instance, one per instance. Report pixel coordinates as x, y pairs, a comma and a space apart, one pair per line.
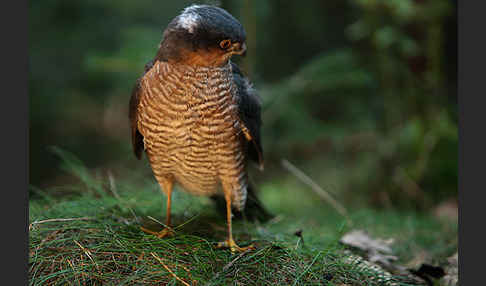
195, 114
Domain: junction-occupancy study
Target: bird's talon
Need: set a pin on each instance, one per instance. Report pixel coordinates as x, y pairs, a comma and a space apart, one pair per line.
231, 244
160, 234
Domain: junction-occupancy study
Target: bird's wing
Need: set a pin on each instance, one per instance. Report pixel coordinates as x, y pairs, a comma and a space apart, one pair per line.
137, 137
249, 109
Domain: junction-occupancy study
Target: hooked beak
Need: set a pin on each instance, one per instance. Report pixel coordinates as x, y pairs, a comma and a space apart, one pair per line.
239, 49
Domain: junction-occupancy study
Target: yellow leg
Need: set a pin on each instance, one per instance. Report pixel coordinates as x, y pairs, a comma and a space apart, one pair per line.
167, 186
169, 203
229, 242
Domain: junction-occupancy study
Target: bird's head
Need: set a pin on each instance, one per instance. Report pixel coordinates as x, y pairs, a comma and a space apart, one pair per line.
202, 35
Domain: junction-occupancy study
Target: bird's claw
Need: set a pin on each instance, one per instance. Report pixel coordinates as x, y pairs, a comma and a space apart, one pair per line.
166, 232
231, 244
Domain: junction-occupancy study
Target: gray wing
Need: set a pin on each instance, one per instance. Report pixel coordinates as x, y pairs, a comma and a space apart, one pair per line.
249, 109
137, 137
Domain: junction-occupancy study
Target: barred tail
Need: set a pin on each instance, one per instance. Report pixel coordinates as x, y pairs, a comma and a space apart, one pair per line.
254, 209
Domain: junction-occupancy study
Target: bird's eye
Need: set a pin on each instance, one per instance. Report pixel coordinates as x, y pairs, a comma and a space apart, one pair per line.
224, 44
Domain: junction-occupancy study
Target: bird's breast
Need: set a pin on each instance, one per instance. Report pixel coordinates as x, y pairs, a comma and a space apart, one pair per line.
189, 121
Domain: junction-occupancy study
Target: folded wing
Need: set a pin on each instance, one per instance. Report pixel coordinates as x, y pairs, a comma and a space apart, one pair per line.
249, 108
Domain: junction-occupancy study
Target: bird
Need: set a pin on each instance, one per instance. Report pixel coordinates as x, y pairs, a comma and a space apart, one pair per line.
196, 116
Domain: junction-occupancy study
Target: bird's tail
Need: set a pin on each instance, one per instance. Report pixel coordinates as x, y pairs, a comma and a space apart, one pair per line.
253, 211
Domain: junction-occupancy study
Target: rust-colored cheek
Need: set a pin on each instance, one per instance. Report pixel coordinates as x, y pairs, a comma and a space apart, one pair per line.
205, 58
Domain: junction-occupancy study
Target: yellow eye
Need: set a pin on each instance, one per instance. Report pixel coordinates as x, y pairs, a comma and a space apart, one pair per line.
225, 44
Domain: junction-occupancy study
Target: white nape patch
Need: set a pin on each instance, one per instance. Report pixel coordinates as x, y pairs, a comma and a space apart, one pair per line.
189, 19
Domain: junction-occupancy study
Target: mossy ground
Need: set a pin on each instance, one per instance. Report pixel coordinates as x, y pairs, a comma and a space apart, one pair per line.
103, 244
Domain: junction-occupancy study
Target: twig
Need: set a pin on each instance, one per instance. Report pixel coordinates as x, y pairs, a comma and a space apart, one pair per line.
57, 219
113, 189
187, 221
161, 223
87, 252
227, 266
315, 187
168, 269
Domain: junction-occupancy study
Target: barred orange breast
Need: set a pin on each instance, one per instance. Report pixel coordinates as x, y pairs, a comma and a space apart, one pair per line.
189, 120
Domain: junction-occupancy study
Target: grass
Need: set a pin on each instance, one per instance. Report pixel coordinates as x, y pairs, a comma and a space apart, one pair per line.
100, 243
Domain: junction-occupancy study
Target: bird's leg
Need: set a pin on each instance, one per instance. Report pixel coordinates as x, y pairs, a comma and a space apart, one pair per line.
167, 231
229, 242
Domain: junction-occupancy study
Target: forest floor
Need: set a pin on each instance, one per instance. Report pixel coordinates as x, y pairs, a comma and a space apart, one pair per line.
88, 233
92, 236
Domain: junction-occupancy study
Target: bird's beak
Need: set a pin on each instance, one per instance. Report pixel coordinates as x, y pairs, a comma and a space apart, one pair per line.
239, 49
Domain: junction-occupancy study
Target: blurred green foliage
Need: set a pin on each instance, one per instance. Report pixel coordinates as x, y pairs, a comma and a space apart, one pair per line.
360, 94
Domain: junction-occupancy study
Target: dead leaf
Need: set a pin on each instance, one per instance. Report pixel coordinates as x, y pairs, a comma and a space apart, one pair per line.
451, 278
376, 250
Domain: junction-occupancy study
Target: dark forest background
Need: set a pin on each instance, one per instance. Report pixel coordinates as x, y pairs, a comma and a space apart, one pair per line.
361, 95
